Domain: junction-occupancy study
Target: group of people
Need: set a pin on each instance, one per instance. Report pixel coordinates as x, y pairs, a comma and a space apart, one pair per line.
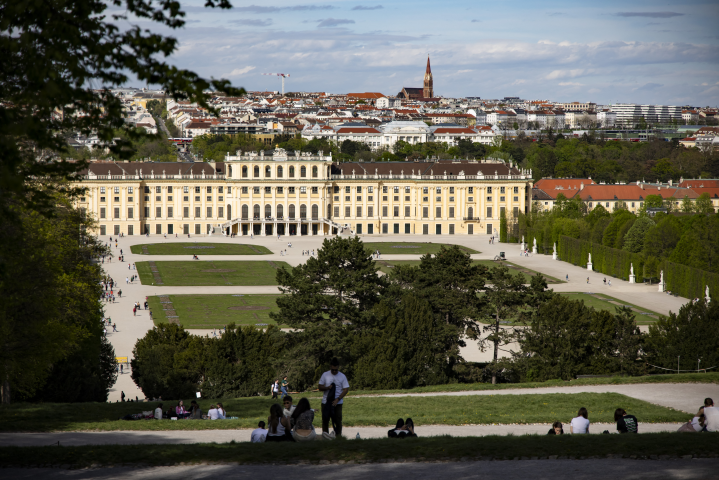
278, 387
307, 252
293, 423
580, 424
216, 412
706, 419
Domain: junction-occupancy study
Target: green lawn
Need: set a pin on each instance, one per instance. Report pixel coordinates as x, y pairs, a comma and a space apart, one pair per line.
605, 302
211, 273
410, 248
215, 311
358, 411
387, 265
199, 249
374, 450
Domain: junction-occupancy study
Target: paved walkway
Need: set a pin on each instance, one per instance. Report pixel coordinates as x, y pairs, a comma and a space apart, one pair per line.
130, 437
591, 469
131, 328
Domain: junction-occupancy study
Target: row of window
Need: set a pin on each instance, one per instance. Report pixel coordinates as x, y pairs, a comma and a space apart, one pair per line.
158, 212
396, 228
280, 172
158, 189
158, 229
408, 212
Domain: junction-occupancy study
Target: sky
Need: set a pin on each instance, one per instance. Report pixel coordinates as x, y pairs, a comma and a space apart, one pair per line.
603, 51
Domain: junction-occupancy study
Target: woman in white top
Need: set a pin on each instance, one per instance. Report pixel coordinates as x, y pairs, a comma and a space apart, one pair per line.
278, 425
698, 420
158, 412
580, 423
221, 413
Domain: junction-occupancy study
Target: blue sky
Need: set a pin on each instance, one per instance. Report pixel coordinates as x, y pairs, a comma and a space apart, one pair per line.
603, 51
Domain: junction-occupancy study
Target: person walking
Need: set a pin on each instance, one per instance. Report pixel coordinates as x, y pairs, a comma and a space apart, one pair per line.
122, 396
114, 327
283, 387
567, 277
134, 311
275, 388
587, 280
335, 386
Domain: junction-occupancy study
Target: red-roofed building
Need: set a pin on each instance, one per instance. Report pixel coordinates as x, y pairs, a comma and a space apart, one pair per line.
367, 135
546, 190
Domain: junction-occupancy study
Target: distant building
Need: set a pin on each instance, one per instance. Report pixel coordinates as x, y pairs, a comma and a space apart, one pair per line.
426, 92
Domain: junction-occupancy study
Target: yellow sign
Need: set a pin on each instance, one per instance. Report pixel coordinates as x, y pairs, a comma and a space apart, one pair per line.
121, 359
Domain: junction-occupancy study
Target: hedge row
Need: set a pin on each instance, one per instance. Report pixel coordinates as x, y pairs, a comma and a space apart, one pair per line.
610, 261
690, 282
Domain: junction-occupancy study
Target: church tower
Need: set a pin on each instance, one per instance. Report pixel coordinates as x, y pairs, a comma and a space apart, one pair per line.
428, 91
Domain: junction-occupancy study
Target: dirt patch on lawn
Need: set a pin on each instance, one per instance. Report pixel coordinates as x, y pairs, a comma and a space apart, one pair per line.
218, 270
248, 307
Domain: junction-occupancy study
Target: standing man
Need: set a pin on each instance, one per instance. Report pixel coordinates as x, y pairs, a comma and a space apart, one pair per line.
283, 387
334, 384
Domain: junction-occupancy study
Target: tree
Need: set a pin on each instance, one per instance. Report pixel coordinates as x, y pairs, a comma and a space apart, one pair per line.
566, 338
60, 59
330, 297
653, 201
634, 239
687, 205
704, 204
619, 218
503, 295
684, 337
169, 362
50, 292
502, 225
409, 350
240, 362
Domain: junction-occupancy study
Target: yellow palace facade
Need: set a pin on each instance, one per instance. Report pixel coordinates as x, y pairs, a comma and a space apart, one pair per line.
303, 194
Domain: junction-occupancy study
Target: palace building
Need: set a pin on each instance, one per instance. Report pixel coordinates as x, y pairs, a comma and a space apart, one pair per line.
303, 194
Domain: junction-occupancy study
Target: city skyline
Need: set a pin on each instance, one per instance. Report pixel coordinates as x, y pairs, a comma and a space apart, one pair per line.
621, 52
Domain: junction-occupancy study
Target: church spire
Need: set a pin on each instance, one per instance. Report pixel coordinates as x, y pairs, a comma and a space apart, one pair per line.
428, 90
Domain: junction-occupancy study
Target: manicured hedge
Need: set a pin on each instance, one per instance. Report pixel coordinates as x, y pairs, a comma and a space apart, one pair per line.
690, 282
610, 261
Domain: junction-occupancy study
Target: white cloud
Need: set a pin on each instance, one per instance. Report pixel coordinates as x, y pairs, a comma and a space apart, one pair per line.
238, 72
570, 84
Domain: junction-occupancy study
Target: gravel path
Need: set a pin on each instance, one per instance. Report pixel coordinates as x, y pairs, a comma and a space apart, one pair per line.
687, 397
592, 469
73, 439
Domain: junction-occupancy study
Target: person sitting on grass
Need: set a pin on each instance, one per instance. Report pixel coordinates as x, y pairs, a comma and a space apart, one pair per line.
302, 418
711, 416
278, 426
626, 423
580, 423
694, 425
180, 411
289, 408
258, 434
556, 429
213, 413
158, 412
403, 429
195, 411
221, 411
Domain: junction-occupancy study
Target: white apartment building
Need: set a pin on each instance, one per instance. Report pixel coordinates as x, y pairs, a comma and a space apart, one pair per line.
579, 119
407, 131
630, 113
546, 118
606, 118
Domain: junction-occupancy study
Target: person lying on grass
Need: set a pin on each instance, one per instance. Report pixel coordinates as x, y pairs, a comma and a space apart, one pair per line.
403, 429
556, 429
626, 423
580, 423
